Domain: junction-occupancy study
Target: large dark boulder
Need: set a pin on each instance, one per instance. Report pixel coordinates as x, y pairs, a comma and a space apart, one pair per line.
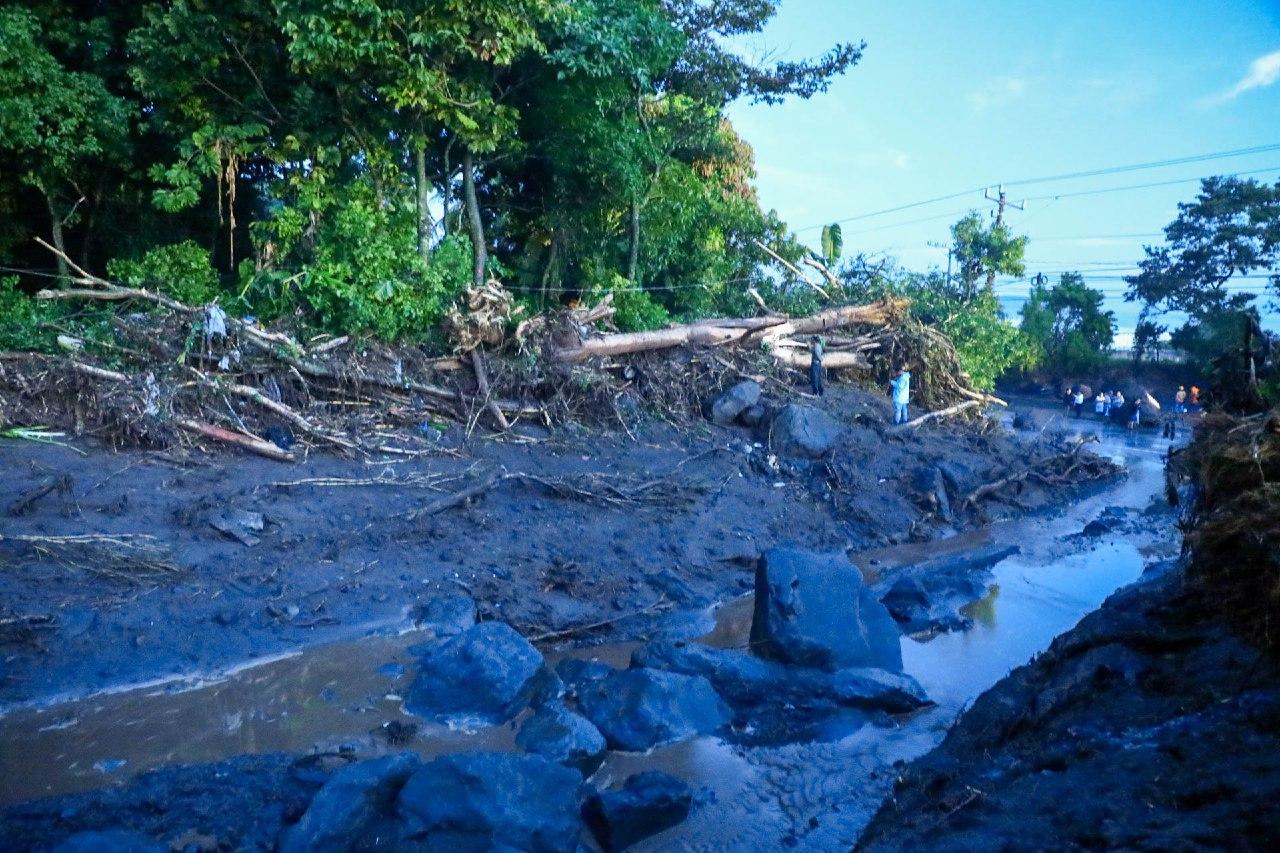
728, 406
814, 610
646, 804
355, 807
558, 734
486, 674
750, 684
492, 801
637, 709
109, 841
803, 431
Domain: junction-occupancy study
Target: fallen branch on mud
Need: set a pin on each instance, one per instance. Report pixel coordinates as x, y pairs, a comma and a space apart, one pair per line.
250, 443
564, 633
132, 557
458, 498
1071, 460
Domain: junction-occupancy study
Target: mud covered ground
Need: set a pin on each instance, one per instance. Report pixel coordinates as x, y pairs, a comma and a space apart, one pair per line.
336, 559
1149, 726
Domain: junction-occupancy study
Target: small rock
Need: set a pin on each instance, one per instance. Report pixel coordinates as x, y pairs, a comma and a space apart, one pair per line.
753, 416
493, 801
647, 804
556, 733
729, 405
355, 806
578, 674
486, 674
446, 616
641, 708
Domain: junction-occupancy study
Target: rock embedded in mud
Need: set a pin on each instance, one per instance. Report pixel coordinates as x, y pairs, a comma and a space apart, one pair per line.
558, 734
486, 674
753, 685
355, 807
638, 709
578, 674
803, 431
928, 596
726, 408
814, 610
446, 615
492, 801
109, 841
646, 804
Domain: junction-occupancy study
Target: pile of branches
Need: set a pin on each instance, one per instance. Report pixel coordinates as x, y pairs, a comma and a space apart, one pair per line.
187, 373
1232, 536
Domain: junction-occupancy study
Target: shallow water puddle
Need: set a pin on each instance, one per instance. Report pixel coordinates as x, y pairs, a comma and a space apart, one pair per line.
815, 795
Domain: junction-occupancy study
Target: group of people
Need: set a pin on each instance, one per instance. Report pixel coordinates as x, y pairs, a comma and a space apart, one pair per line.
1112, 405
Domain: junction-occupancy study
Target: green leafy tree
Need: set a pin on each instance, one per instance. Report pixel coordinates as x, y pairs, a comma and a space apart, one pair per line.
1068, 324
980, 252
1231, 229
57, 126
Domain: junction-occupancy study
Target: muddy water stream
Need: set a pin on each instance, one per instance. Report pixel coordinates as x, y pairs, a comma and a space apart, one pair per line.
813, 795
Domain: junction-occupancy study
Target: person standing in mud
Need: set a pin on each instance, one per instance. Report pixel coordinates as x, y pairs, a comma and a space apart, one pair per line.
816, 370
900, 387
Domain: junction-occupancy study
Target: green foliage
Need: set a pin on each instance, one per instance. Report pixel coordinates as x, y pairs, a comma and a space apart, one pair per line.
635, 310
21, 319
832, 243
181, 270
1232, 228
980, 252
1067, 324
986, 343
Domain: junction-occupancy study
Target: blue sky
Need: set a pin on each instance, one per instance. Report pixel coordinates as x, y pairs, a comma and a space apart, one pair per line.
951, 96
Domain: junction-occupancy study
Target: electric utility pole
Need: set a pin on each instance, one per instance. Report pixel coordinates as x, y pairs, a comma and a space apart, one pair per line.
1000, 201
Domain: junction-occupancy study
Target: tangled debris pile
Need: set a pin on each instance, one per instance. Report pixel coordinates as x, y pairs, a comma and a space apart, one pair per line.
1233, 536
179, 369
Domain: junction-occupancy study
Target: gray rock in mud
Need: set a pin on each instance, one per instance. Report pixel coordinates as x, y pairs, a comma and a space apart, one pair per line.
642, 708
813, 610
578, 674
447, 615
749, 683
803, 431
728, 406
928, 596
486, 674
109, 841
646, 804
556, 733
928, 481
492, 801
356, 806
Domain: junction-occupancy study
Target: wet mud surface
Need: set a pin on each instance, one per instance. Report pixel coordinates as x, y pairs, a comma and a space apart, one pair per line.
332, 686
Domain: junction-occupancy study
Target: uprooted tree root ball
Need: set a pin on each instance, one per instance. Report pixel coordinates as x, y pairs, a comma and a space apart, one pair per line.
1233, 537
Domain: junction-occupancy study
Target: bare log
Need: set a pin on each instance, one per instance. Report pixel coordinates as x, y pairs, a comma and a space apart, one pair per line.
941, 413
832, 360
252, 444
629, 342
826, 273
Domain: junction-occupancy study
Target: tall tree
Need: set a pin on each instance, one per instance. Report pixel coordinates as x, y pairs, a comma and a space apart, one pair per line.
1068, 324
979, 251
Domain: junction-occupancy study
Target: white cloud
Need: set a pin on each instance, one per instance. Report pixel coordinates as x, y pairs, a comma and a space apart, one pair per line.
1263, 72
997, 93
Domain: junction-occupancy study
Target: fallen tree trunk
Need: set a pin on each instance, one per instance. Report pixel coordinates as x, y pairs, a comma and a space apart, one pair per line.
748, 330
832, 360
942, 413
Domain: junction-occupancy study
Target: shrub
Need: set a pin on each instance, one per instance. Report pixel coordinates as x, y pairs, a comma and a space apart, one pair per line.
182, 270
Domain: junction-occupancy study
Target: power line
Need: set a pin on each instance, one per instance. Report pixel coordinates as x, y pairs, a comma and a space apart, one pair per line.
1147, 186
1110, 170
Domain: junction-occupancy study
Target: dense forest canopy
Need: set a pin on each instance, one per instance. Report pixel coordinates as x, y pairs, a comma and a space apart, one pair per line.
358, 162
